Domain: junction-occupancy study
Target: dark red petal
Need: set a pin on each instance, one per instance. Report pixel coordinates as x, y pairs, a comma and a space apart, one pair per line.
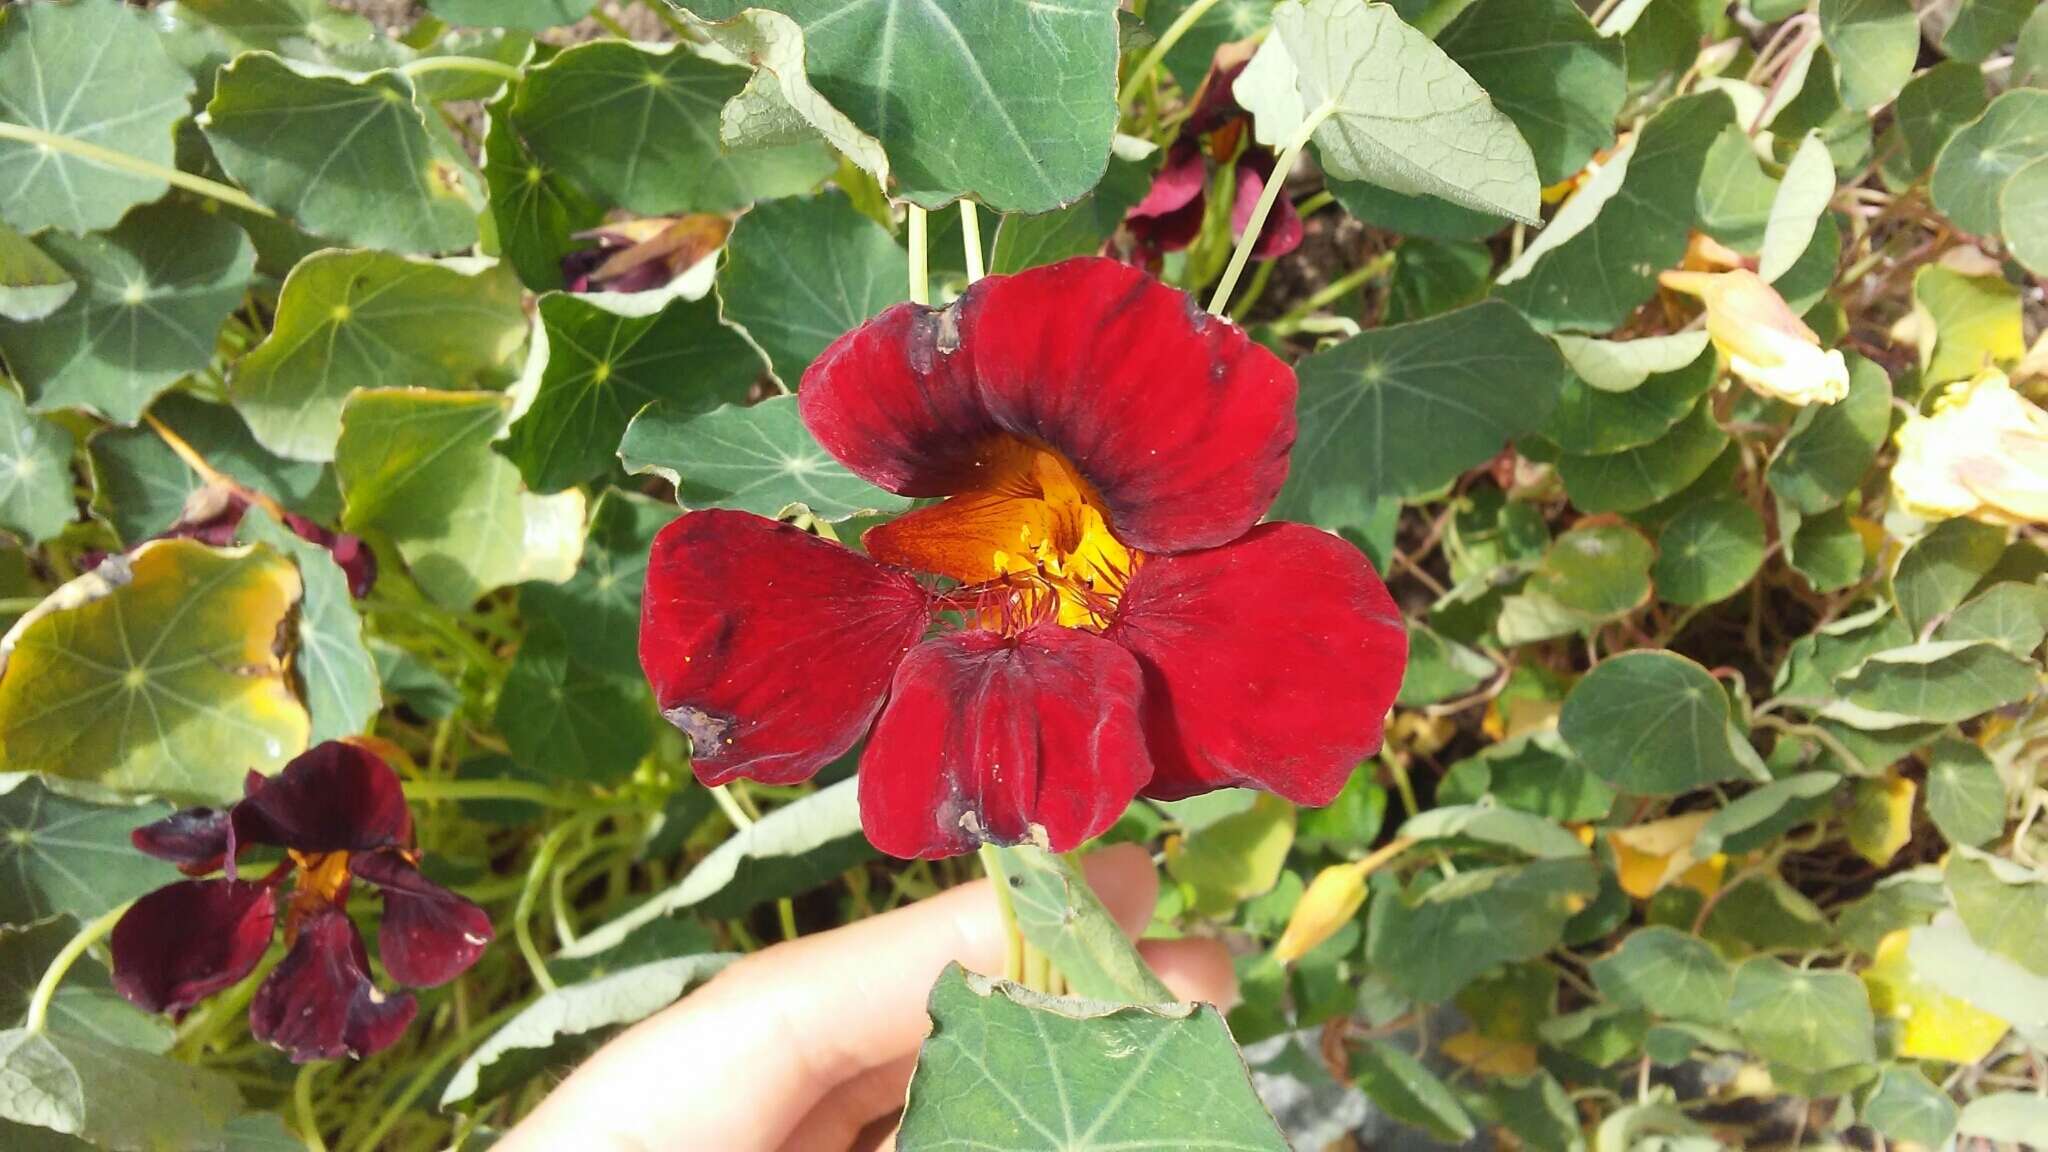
184, 942
988, 738
1177, 418
336, 797
769, 647
1217, 104
1152, 236
319, 1004
197, 840
429, 935
1282, 231
1269, 662
356, 559
1180, 181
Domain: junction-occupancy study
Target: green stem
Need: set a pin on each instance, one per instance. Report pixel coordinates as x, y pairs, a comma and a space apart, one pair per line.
121, 161
522, 913
1336, 290
460, 64
1250, 299
731, 807
970, 236
15, 605
1257, 224
1152, 59
302, 1104
1013, 952
605, 21
530, 792
438, 623
46, 988
1312, 204
683, 31
431, 1072
920, 266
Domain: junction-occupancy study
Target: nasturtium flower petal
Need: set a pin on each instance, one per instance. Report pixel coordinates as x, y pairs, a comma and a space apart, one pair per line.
1283, 230
1177, 420
337, 797
1035, 737
197, 840
1269, 662
319, 1003
429, 935
186, 941
770, 648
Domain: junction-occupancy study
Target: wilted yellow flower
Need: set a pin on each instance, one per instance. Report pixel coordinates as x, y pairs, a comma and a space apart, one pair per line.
1650, 857
1330, 902
1983, 454
1932, 1024
1767, 347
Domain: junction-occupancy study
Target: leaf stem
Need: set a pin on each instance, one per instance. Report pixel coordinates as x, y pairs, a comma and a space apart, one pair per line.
460, 64
731, 807
134, 165
525, 790
1157, 55
53, 976
1013, 951
1257, 224
920, 265
611, 25
302, 1104
1336, 290
536, 875
431, 1071
970, 236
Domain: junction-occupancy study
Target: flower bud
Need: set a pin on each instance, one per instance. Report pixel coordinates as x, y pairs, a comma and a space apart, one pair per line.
1332, 899
1768, 348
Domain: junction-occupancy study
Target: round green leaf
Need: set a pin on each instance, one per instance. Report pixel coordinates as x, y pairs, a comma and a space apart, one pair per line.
1874, 43
1830, 447
1938, 682
1933, 105
161, 676
1982, 27
64, 856
1709, 551
1639, 477
151, 297
1354, 68
1808, 1020
1011, 104
418, 466
601, 360
1908, 1107
1669, 973
758, 459
1403, 410
1409, 1092
1561, 82
1433, 939
536, 211
1796, 209
657, 111
1651, 724
94, 73
350, 320
1006, 1068
1965, 797
346, 157
1973, 168
561, 716
530, 15
2023, 214
800, 273
1591, 421
35, 472
1938, 570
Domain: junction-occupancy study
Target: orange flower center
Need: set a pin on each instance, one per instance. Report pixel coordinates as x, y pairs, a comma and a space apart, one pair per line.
321, 881
1030, 542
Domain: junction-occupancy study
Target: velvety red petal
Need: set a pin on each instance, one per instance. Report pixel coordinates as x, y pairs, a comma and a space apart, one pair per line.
1269, 662
1177, 419
319, 1004
197, 840
1216, 105
429, 935
994, 739
1154, 236
336, 797
770, 648
1179, 182
1283, 230
184, 942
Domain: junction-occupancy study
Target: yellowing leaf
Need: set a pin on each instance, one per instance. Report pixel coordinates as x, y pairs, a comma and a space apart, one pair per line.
156, 672
1933, 1024
1651, 857
1489, 1056
1236, 858
1881, 818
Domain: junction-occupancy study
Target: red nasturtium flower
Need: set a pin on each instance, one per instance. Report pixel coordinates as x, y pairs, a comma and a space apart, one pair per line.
338, 813
1112, 621
1170, 216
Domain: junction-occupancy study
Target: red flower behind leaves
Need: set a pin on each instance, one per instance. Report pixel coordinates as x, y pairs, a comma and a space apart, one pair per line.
1170, 216
338, 813
1115, 624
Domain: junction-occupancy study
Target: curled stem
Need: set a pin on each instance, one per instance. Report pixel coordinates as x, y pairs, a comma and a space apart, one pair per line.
53, 976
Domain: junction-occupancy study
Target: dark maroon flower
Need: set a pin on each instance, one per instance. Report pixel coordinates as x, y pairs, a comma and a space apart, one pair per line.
213, 516
1170, 216
340, 816
1112, 619
642, 255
